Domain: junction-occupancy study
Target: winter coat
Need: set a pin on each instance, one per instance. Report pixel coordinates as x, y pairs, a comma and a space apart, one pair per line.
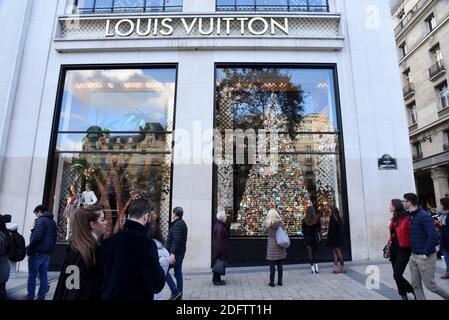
220, 247
423, 235
164, 261
177, 237
335, 236
274, 252
402, 231
311, 233
90, 278
444, 232
4, 261
43, 236
130, 264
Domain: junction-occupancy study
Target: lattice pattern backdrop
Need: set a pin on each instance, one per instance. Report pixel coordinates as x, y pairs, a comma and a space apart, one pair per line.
299, 27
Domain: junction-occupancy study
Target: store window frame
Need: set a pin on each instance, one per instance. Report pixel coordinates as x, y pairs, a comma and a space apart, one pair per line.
344, 210
57, 117
146, 8
289, 7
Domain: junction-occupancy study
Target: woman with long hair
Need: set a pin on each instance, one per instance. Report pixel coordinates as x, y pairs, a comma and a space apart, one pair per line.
400, 246
89, 225
5, 248
335, 239
155, 234
275, 253
311, 230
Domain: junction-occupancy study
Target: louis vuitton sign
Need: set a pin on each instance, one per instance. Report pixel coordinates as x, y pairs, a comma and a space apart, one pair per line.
196, 26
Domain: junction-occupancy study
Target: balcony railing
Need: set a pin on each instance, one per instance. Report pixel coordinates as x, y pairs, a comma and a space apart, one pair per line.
446, 146
436, 69
274, 8
417, 156
408, 90
136, 9
409, 16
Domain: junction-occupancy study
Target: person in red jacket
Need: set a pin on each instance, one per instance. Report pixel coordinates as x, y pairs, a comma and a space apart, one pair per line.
400, 246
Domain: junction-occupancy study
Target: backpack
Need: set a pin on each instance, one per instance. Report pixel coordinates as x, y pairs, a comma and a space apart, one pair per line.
18, 250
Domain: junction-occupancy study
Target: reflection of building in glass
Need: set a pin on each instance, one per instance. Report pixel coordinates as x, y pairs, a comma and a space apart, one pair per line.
307, 162
119, 164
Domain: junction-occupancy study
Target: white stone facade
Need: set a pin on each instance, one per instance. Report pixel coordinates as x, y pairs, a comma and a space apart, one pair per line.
369, 87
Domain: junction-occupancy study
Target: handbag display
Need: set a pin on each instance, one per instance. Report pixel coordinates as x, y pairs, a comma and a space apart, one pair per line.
282, 238
387, 250
219, 267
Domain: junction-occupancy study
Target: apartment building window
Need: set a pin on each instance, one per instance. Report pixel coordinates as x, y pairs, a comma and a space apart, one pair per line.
430, 23
403, 50
273, 5
437, 56
121, 6
446, 140
407, 77
401, 14
443, 95
417, 151
412, 114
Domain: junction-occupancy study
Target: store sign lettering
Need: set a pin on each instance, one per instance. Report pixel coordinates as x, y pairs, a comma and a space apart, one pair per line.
256, 26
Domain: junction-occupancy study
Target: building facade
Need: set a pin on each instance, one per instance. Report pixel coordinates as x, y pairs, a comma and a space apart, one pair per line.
133, 97
422, 33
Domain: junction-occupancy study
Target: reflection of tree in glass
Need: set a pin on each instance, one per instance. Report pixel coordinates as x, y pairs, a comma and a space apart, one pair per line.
252, 89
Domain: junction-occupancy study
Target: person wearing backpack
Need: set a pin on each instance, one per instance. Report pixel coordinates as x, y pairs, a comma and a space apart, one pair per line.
18, 250
5, 247
275, 253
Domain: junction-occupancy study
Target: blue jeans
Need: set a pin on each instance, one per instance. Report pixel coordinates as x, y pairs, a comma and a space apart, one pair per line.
178, 275
37, 263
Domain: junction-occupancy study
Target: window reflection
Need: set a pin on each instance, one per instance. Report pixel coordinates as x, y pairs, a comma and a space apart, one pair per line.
115, 133
298, 103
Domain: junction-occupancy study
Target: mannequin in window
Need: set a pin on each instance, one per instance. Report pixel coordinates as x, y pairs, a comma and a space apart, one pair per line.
88, 197
73, 202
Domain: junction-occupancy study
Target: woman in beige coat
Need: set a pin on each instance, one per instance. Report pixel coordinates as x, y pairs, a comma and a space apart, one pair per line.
275, 253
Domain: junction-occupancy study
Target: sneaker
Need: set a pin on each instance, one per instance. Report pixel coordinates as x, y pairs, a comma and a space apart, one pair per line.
271, 284
342, 269
316, 268
176, 296
280, 283
312, 269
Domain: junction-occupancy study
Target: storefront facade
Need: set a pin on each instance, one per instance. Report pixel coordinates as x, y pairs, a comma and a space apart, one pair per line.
124, 98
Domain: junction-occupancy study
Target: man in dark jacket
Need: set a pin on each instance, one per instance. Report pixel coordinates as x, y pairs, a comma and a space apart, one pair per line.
176, 245
423, 238
130, 259
40, 249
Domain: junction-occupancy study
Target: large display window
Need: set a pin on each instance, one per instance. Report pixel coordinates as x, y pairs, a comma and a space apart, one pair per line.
112, 142
298, 104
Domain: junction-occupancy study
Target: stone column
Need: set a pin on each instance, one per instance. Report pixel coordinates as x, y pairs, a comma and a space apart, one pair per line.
440, 183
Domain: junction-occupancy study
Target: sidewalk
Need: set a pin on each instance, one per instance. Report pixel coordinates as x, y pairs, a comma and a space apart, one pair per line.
299, 284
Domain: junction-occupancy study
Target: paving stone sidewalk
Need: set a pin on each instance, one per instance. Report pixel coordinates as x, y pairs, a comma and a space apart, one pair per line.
299, 284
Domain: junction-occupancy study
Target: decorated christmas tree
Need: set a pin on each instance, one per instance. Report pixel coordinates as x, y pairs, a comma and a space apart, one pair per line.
280, 186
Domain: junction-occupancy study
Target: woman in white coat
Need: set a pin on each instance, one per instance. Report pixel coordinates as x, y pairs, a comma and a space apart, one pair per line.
164, 256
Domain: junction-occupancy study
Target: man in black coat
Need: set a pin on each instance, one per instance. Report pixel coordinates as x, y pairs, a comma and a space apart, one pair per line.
176, 245
130, 259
